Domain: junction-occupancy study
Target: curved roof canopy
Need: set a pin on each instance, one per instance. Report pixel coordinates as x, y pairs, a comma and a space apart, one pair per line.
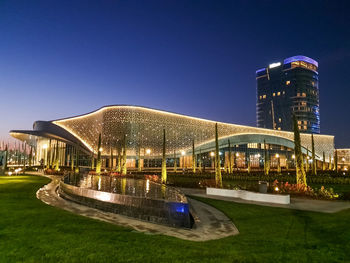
143, 129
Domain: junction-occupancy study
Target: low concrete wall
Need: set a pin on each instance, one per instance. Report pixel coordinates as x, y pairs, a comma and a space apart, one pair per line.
251, 196
152, 210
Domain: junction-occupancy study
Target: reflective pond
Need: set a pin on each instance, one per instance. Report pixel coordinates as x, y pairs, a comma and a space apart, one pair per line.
125, 186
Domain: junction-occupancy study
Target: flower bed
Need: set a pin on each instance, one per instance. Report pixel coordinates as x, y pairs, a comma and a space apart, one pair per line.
304, 191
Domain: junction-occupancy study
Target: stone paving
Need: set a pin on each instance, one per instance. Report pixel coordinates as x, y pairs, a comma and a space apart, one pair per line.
322, 206
210, 223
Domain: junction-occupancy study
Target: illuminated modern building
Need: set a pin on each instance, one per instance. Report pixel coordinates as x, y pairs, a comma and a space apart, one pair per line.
142, 129
343, 159
287, 88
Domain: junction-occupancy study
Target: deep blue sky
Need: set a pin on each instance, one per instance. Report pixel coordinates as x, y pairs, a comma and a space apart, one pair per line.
63, 58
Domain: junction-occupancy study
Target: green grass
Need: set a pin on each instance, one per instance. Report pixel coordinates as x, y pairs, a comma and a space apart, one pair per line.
32, 231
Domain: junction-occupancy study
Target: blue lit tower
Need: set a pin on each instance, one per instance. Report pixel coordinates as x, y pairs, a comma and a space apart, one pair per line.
284, 89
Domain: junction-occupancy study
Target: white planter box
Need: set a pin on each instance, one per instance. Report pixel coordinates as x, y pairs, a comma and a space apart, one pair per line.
251, 196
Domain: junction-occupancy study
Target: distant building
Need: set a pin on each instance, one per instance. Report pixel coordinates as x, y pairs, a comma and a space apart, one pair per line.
343, 159
287, 88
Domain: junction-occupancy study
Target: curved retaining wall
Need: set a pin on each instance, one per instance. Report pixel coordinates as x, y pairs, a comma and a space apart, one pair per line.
251, 196
153, 210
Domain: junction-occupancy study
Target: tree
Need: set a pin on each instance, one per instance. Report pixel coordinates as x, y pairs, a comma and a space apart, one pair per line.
50, 155
248, 164
335, 161
299, 164
234, 165
229, 158
175, 163
194, 159
218, 178
279, 170
266, 160
314, 164
6, 158
111, 160
57, 159
119, 168
139, 168
164, 175
92, 161
307, 161
72, 158
330, 162
124, 169
76, 160
99, 150
30, 156
323, 162
200, 161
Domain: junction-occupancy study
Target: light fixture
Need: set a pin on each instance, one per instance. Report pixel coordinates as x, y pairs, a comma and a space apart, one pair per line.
212, 154
273, 65
148, 151
183, 153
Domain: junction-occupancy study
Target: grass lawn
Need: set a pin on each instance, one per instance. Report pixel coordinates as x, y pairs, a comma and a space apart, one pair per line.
32, 231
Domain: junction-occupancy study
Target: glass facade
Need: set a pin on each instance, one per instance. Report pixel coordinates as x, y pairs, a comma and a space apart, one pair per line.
284, 89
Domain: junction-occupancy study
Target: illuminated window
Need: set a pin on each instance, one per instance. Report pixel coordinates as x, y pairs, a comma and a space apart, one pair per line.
303, 103
299, 127
305, 122
304, 94
287, 82
274, 94
305, 127
279, 119
298, 94
279, 128
299, 122
264, 96
283, 92
260, 97
278, 93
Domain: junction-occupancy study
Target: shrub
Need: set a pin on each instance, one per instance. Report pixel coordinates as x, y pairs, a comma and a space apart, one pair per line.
303, 190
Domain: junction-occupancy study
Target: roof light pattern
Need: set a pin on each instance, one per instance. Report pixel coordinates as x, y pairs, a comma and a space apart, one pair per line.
143, 129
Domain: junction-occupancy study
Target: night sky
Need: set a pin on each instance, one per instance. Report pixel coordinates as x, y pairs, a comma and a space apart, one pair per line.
64, 58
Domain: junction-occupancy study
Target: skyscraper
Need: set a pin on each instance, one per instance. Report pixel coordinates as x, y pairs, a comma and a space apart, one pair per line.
287, 88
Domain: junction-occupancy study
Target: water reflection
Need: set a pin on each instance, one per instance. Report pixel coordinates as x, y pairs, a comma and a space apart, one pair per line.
125, 186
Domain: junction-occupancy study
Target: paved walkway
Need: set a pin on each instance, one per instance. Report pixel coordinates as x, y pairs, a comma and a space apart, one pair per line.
210, 223
322, 206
